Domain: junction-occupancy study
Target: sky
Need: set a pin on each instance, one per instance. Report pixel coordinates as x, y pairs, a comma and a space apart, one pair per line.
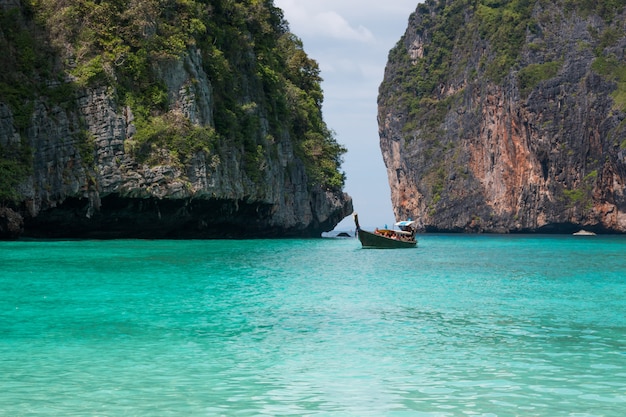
350, 40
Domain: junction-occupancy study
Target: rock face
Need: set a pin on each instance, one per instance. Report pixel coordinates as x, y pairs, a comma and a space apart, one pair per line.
85, 179
508, 117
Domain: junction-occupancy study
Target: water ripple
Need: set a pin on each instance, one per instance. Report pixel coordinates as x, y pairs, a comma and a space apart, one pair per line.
480, 326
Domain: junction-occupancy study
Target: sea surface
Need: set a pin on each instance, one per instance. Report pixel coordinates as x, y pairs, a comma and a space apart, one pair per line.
461, 326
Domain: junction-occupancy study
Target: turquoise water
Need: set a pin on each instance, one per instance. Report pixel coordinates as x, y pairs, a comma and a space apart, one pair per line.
461, 326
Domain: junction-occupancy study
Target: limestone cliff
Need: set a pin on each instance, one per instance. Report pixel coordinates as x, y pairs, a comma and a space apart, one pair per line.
157, 118
508, 116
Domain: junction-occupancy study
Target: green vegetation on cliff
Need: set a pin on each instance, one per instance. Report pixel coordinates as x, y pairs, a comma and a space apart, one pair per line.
15, 165
24, 62
263, 85
455, 32
508, 111
614, 70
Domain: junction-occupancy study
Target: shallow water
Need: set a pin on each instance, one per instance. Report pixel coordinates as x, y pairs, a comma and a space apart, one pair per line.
460, 326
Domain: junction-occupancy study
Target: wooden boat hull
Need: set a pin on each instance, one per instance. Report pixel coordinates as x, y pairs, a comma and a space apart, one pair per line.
373, 241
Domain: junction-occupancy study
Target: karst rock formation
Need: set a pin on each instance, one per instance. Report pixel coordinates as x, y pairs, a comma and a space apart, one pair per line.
162, 119
508, 116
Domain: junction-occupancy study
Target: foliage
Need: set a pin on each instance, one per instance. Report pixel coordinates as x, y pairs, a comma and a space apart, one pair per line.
24, 62
463, 40
503, 25
606, 9
574, 197
582, 196
613, 69
451, 29
321, 157
287, 77
607, 63
451, 33
263, 83
15, 165
531, 75
86, 144
23, 59
170, 131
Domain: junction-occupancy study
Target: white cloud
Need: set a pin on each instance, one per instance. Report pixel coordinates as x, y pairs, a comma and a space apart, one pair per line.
336, 26
309, 19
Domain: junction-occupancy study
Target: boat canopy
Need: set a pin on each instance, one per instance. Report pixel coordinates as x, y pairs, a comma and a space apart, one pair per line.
405, 223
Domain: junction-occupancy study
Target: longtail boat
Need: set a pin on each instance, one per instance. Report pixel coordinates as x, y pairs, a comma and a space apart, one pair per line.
387, 238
